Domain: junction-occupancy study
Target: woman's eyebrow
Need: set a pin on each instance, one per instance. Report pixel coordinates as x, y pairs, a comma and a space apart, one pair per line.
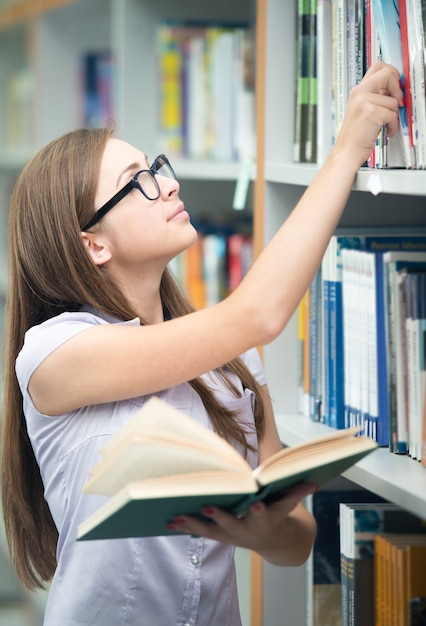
136, 165
132, 166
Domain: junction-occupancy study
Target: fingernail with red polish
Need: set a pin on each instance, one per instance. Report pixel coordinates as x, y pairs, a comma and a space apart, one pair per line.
207, 510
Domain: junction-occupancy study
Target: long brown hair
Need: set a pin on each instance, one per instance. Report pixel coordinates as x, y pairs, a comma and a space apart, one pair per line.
49, 273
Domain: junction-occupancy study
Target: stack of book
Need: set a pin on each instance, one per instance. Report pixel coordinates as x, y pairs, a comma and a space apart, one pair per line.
348, 37
206, 90
382, 551
366, 337
214, 266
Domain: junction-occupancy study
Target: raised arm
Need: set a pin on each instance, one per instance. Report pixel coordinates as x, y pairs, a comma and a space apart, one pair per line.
114, 362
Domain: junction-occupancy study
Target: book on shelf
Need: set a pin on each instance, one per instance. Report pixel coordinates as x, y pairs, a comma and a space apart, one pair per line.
406, 69
304, 360
423, 425
305, 134
314, 354
399, 575
170, 61
415, 11
163, 463
361, 32
387, 18
402, 382
355, 15
360, 523
358, 340
97, 88
417, 611
206, 90
239, 258
324, 93
339, 66
324, 571
311, 148
416, 574
214, 266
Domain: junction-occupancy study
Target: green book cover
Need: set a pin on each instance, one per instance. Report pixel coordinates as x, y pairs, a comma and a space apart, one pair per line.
163, 463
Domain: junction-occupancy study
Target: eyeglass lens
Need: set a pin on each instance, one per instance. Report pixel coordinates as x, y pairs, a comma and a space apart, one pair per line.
147, 180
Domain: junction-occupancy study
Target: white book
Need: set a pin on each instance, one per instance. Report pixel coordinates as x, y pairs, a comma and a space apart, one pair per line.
396, 338
324, 93
417, 78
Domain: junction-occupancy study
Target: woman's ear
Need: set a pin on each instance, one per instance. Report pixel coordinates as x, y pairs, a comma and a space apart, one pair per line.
96, 248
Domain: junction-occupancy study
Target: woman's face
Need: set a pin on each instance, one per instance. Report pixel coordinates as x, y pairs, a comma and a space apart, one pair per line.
139, 230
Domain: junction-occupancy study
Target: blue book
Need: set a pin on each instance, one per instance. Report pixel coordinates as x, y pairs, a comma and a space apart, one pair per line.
337, 411
333, 352
396, 245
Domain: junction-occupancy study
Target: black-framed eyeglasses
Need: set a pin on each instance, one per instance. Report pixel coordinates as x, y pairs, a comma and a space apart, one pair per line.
144, 180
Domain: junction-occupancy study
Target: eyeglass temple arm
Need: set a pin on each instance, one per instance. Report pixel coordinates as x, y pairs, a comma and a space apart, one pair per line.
110, 204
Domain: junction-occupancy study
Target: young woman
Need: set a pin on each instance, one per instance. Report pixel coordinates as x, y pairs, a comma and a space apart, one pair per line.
96, 325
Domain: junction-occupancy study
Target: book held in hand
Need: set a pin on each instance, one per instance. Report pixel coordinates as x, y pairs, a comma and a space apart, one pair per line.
163, 463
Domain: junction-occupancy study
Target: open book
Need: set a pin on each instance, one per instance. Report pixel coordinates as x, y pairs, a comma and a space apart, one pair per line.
163, 463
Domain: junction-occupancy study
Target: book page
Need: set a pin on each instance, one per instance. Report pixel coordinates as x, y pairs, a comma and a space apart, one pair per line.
158, 420
311, 454
144, 458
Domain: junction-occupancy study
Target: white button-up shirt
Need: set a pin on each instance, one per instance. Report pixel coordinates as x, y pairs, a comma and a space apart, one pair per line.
167, 580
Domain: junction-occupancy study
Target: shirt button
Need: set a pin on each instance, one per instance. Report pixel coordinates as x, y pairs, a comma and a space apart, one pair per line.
194, 559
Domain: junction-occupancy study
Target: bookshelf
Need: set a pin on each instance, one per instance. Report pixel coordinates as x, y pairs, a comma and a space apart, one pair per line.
42, 46
400, 202
46, 39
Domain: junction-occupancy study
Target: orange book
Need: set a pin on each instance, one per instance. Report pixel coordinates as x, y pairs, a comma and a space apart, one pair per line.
194, 274
379, 545
416, 570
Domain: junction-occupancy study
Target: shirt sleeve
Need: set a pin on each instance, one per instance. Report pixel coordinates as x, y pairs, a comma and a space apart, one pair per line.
42, 340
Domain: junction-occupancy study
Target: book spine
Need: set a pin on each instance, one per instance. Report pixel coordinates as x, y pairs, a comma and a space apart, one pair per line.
417, 45
423, 440
382, 357
387, 19
315, 350
343, 510
324, 95
339, 62
170, 60
302, 80
402, 6
311, 135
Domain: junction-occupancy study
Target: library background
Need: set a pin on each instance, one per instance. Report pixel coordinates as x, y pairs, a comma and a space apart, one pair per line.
265, 87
